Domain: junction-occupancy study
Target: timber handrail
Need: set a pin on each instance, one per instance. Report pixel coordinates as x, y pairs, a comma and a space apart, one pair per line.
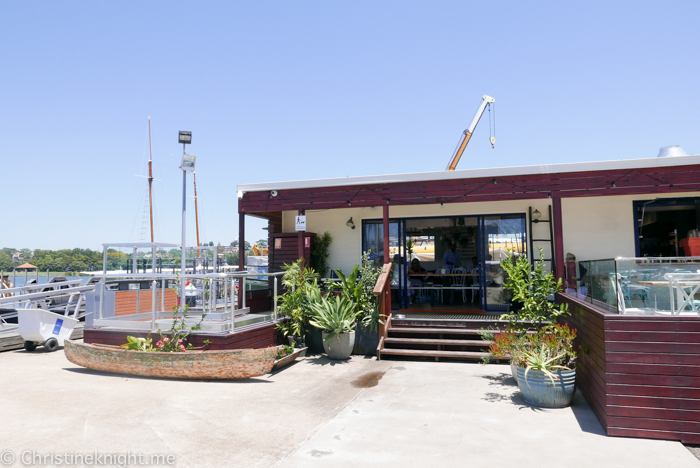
382, 289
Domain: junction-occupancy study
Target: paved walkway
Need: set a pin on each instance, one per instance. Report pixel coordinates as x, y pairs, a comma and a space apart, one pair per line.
315, 413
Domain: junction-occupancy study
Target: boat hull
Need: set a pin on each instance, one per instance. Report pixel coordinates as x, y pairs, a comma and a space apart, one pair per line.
224, 364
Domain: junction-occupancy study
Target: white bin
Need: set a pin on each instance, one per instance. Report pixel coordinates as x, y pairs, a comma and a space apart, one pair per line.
41, 327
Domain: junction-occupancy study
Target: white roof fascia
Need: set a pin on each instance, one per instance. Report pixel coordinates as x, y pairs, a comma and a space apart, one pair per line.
476, 173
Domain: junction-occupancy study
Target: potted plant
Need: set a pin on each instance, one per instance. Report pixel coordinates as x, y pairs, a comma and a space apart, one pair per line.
533, 290
359, 288
335, 316
544, 365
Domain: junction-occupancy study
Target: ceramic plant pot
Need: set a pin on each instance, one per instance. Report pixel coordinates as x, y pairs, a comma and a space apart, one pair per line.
538, 389
514, 371
340, 346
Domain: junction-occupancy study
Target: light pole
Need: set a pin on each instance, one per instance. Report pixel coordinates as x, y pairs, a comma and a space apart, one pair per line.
187, 165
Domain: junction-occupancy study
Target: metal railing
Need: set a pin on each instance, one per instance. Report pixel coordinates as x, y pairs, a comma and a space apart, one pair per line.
211, 302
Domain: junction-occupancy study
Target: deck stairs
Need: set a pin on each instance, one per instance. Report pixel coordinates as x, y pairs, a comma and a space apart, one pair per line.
444, 336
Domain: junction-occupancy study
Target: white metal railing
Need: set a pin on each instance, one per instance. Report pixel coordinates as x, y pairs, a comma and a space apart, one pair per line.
44, 296
211, 300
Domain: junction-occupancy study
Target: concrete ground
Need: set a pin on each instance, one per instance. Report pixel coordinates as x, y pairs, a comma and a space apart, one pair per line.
362, 412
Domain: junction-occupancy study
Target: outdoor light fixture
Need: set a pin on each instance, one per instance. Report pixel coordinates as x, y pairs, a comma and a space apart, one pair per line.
188, 161
184, 138
240, 194
273, 193
536, 214
350, 223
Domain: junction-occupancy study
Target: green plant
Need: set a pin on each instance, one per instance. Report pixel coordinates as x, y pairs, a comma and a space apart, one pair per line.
504, 344
532, 287
543, 361
138, 344
301, 290
334, 315
552, 347
284, 351
319, 253
359, 288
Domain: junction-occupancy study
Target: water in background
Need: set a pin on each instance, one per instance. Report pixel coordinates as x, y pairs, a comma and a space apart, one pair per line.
42, 279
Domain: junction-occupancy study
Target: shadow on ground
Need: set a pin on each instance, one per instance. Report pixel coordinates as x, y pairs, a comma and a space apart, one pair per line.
250, 380
507, 391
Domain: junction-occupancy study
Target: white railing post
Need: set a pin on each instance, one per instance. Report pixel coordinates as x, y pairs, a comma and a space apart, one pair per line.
102, 296
154, 285
243, 290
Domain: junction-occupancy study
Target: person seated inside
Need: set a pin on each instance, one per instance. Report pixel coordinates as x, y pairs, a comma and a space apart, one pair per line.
415, 269
471, 264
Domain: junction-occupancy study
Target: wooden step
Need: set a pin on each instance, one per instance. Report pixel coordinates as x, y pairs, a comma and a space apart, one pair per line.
437, 341
463, 331
434, 353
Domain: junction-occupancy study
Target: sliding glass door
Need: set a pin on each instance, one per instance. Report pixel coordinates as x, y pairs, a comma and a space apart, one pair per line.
500, 235
482, 242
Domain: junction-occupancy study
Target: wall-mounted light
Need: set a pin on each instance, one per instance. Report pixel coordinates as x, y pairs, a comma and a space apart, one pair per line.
536, 215
350, 223
240, 194
273, 193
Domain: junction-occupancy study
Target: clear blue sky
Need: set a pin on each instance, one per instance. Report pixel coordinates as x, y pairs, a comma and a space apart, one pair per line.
313, 89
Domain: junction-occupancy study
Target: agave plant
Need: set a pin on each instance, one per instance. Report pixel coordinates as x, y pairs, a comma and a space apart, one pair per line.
334, 315
542, 361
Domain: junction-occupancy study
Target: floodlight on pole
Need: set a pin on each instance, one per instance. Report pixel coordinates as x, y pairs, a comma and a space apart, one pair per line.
187, 165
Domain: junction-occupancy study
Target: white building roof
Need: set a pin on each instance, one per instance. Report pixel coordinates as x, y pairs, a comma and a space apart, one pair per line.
476, 173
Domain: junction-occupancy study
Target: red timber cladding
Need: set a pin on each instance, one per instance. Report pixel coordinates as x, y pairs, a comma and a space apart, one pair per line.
125, 301
646, 382
260, 336
571, 184
287, 252
259, 300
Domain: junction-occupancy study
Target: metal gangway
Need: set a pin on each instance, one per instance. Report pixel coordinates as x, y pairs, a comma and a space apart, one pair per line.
63, 297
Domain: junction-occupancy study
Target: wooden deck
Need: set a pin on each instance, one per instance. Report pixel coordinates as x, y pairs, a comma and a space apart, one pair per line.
640, 373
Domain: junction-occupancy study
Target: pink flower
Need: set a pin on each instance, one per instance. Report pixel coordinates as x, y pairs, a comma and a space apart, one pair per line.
182, 347
166, 339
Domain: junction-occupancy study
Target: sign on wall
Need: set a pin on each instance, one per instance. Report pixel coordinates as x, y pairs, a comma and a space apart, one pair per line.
300, 224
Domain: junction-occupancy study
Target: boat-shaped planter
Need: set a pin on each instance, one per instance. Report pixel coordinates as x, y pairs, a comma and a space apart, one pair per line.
298, 352
220, 364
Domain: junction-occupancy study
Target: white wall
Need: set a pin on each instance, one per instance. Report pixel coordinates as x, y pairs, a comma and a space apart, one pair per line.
593, 227
603, 227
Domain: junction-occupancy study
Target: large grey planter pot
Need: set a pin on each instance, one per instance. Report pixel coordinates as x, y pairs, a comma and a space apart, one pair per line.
538, 390
514, 371
366, 341
340, 346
